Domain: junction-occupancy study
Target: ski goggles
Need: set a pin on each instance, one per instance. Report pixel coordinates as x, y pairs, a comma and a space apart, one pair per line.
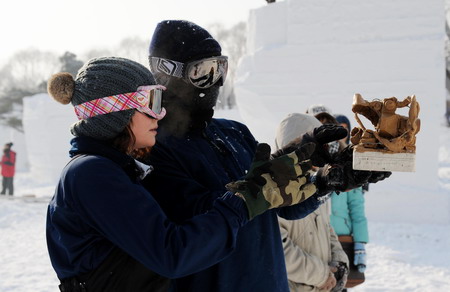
147, 100
202, 73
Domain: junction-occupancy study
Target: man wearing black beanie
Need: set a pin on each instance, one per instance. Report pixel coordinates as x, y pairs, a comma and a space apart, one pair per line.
174, 45
200, 155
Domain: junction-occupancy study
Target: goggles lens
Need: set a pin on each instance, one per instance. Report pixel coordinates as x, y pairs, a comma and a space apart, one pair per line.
152, 102
202, 73
207, 72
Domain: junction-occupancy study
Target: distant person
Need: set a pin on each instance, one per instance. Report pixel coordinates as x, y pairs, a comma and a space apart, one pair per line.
105, 231
345, 122
323, 114
347, 208
349, 220
315, 260
8, 169
315, 109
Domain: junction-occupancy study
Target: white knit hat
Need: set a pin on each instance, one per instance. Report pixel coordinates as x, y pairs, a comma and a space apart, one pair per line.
293, 126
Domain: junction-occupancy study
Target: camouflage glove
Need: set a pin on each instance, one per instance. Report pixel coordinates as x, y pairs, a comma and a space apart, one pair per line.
279, 182
320, 137
340, 176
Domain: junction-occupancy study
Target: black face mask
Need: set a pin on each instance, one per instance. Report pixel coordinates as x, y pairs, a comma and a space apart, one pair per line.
188, 107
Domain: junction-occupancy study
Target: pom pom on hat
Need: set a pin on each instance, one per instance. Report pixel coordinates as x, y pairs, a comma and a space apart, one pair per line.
61, 87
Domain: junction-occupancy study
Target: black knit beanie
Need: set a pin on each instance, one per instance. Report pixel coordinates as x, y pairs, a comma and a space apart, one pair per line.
182, 41
100, 77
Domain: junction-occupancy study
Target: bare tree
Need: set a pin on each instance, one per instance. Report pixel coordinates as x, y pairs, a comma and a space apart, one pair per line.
70, 63
27, 69
25, 74
95, 53
233, 42
133, 48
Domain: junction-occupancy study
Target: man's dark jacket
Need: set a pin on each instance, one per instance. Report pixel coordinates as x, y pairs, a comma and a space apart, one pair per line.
190, 172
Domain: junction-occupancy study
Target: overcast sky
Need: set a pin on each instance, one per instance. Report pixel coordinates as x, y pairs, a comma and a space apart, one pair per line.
76, 26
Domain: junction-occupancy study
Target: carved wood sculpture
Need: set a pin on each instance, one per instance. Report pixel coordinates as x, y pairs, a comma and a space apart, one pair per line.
393, 133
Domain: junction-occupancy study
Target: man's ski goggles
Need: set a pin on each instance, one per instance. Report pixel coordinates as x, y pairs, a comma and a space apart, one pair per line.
202, 73
147, 100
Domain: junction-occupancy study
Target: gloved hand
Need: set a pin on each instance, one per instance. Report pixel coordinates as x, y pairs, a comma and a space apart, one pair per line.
360, 256
341, 275
345, 158
320, 136
365, 187
340, 175
282, 181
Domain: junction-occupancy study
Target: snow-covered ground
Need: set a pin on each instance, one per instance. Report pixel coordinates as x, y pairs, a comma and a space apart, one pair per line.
401, 256
24, 261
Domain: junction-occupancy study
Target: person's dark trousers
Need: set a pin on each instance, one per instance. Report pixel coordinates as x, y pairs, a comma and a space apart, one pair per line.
7, 184
114, 274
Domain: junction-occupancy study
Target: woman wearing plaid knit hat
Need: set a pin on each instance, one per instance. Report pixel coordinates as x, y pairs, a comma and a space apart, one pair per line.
105, 232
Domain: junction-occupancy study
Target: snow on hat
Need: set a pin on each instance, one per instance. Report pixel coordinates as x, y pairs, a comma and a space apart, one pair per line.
293, 126
182, 41
100, 77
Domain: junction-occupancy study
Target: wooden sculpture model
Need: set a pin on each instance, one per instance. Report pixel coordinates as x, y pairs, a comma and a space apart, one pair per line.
393, 134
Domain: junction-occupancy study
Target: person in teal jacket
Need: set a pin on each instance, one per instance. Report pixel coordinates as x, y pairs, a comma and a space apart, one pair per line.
348, 218
348, 214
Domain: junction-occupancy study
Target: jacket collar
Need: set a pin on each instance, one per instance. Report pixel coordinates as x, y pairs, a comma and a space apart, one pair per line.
90, 146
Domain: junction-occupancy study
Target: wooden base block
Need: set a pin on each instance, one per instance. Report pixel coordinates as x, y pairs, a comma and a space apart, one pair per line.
379, 161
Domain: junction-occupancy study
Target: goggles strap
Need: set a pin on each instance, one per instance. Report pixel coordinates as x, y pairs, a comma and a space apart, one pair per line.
166, 66
114, 103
